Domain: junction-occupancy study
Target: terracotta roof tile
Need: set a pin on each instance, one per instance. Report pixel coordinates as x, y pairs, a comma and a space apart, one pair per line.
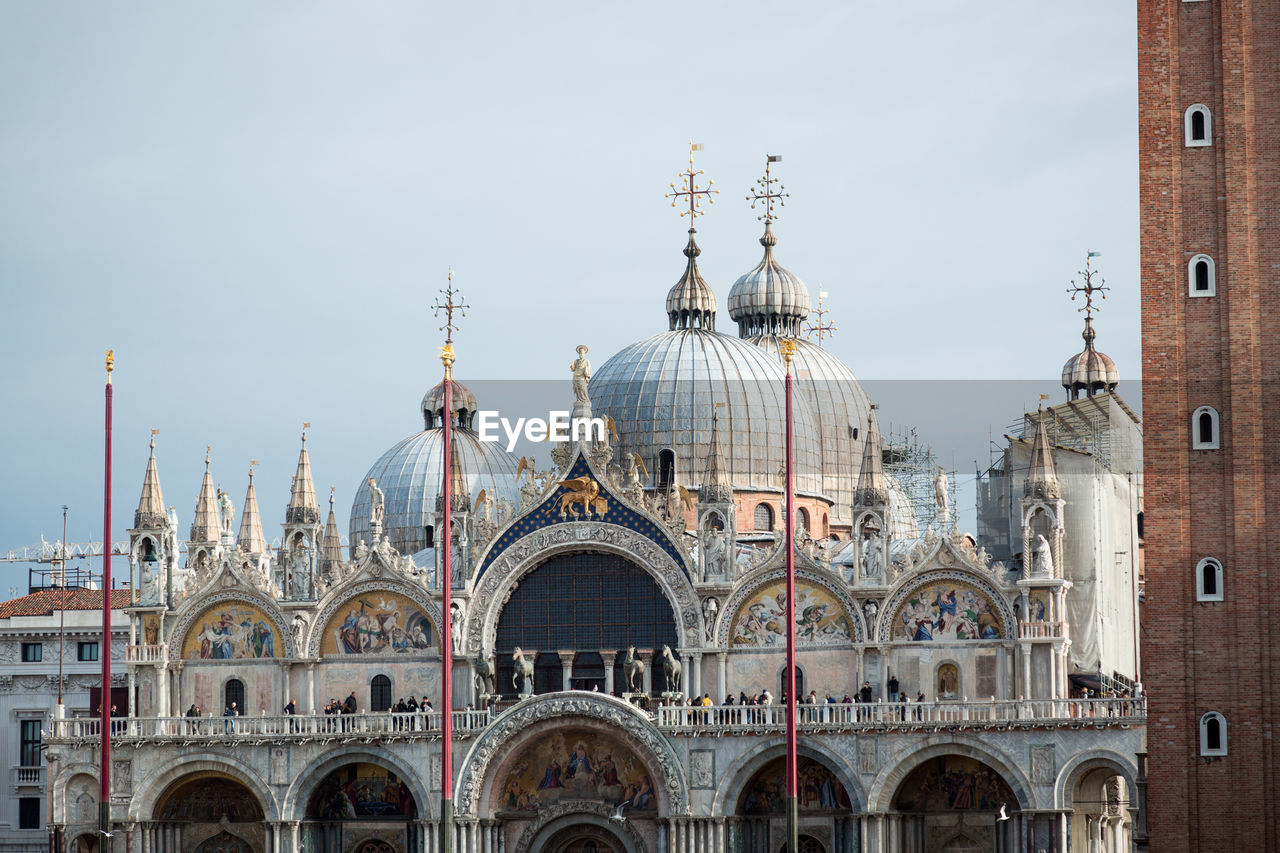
46, 602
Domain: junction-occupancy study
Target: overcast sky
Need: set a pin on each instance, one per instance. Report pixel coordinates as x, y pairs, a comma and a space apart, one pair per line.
255, 205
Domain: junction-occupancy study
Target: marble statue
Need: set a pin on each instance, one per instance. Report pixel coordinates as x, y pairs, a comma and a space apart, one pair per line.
870, 609
1043, 555
581, 369
376, 503
226, 511
455, 626
150, 593
942, 498
872, 555
710, 609
717, 552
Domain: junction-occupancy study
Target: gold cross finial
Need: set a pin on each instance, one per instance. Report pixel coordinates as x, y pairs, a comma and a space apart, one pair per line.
689, 187
766, 192
1090, 286
820, 326
452, 302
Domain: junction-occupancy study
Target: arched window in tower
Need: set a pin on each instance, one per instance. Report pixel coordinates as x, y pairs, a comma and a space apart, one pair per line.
430, 531
1213, 734
1209, 580
802, 519
1200, 276
380, 693
763, 517
666, 469
233, 693
1204, 429
1198, 126
148, 550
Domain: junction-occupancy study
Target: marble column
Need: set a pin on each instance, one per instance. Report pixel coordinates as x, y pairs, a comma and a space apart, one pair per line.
566, 667
311, 688
687, 675
131, 710
609, 659
696, 685
1026, 692
646, 656
722, 675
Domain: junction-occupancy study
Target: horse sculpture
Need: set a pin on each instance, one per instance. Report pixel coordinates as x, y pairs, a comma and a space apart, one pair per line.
671, 669
633, 669
486, 683
523, 672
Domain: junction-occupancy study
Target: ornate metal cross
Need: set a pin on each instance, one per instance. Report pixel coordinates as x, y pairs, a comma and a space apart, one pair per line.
1089, 288
689, 187
766, 193
820, 326
452, 301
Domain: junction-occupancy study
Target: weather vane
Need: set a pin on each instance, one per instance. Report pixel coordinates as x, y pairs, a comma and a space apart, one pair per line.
1089, 288
452, 302
766, 193
820, 327
689, 187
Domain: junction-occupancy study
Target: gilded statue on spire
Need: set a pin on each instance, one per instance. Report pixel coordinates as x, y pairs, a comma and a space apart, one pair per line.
689, 188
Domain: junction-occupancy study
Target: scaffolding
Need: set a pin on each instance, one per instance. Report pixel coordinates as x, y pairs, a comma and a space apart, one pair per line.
912, 463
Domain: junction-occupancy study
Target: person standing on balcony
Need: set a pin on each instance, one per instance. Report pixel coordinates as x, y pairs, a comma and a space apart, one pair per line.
289, 710
893, 687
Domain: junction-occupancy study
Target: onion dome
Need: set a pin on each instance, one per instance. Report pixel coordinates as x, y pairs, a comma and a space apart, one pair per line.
840, 407
411, 473
664, 392
691, 304
769, 300
461, 401
1089, 372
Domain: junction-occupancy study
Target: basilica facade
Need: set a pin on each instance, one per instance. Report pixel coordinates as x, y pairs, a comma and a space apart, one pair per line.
944, 708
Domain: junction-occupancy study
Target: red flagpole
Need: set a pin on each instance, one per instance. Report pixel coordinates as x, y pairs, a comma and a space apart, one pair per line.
793, 839
104, 793
446, 643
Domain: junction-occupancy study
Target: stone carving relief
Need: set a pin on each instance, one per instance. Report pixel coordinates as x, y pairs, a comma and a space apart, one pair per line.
1043, 766
702, 768
866, 756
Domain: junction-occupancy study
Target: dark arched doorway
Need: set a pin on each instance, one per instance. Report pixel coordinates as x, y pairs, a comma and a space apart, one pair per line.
583, 602
200, 804
934, 792
762, 803
585, 838
356, 805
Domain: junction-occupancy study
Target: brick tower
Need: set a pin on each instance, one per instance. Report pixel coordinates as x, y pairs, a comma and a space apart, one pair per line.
1209, 124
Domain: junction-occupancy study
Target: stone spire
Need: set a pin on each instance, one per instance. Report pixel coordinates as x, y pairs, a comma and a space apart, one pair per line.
150, 512
873, 487
251, 539
716, 487
1042, 481
331, 545
303, 508
207, 525
691, 303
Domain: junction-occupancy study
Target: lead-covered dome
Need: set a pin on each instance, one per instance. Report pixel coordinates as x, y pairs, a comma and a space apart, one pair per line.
769, 300
410, 474
662, 393
840, 407
1089, 372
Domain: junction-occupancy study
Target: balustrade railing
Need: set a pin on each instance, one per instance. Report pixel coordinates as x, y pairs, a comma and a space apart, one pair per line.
270, 727
1039, 630
720, 719
145, 653
28, 776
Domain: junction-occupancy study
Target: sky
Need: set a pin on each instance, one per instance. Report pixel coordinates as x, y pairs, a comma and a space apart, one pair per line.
255, 206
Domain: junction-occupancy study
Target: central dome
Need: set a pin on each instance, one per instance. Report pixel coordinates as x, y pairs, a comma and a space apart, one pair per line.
662, 392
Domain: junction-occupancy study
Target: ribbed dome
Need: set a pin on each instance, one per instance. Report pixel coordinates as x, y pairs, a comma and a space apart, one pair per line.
838, 401
662, 391
461, 400
1089, 372
691, 303
769, 300
411, 473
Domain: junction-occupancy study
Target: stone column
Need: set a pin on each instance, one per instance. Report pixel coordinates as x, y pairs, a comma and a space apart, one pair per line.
884, 674
286, 692
162, 691
1026, 670
609, 659
131, 710
566, 666
646, 656
722, 675
687, 676
696, 684
311, 687
859, 666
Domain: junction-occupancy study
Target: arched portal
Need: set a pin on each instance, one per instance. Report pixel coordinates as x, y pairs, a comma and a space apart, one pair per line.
582, 602
208, 805
820, 795
584, 838
1101, 819
358, 804
931, 796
